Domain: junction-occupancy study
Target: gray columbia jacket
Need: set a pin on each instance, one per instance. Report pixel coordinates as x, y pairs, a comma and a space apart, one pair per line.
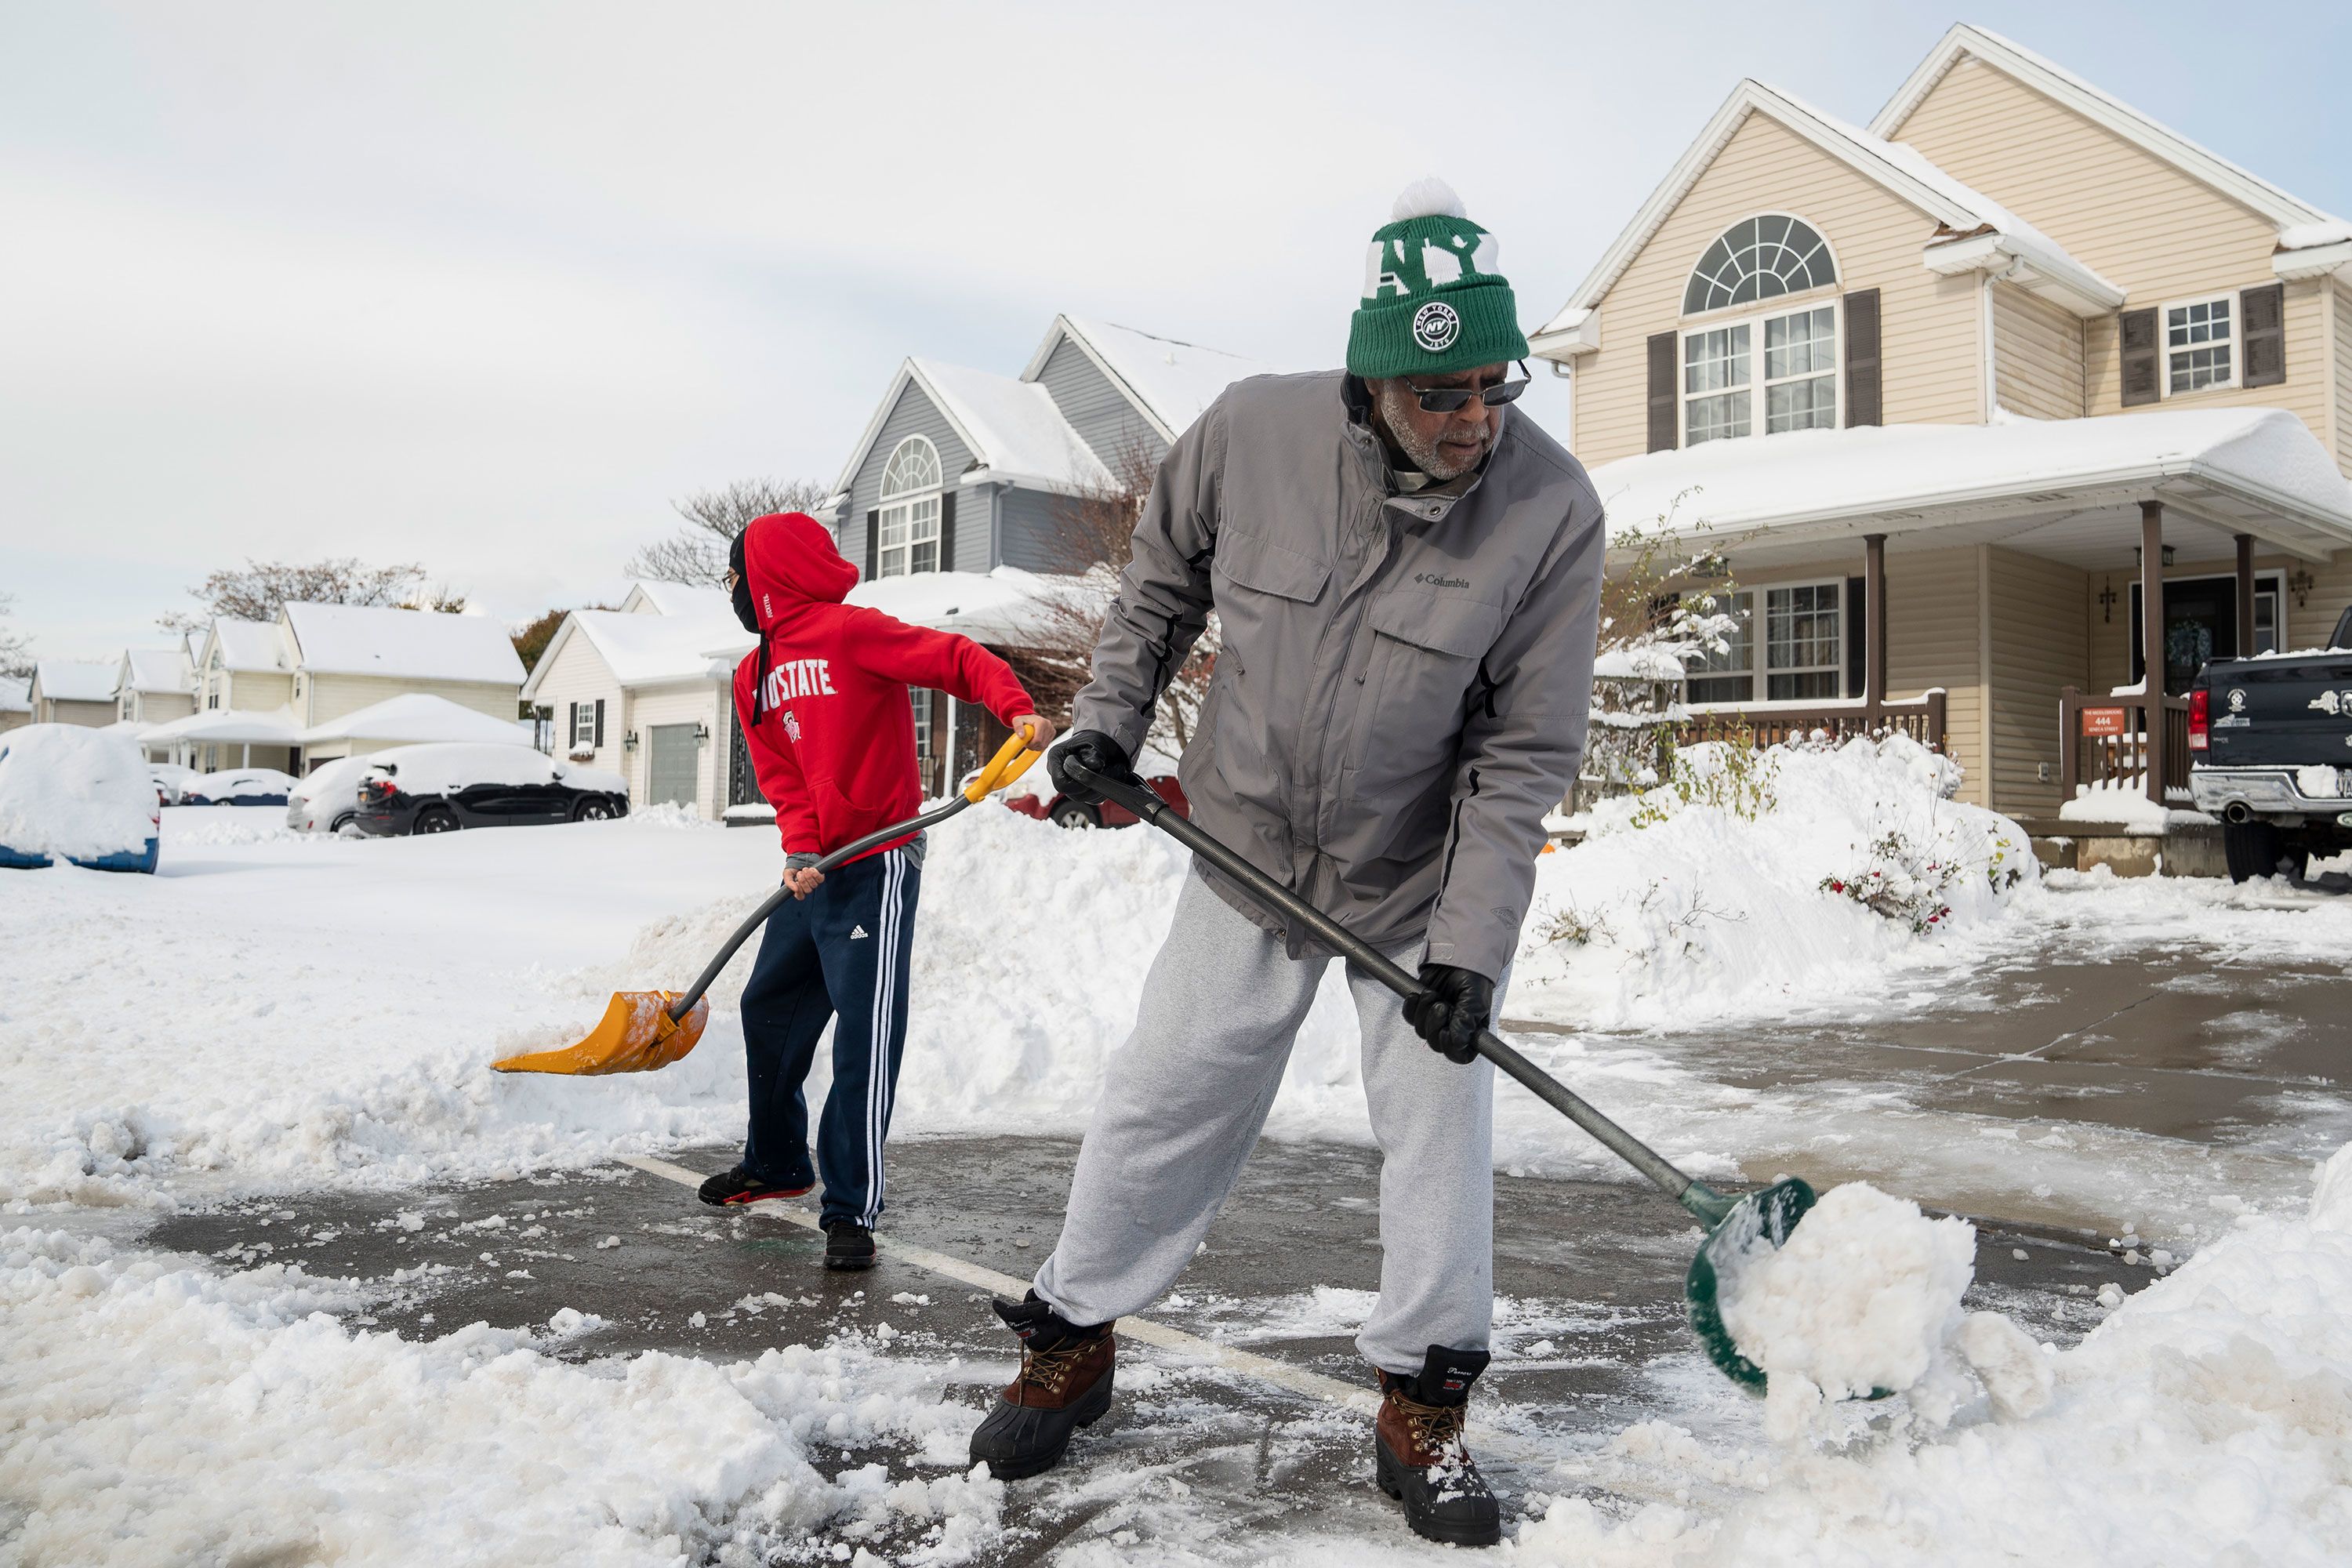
1402, 686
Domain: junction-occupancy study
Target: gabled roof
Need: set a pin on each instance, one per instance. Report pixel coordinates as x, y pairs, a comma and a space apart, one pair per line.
157, 669
1013, 429
75, 680
650, 649
1171, 382
411, 644
1006, 607
647, 596
249, 646
416, 718
1965, 217
2300, 223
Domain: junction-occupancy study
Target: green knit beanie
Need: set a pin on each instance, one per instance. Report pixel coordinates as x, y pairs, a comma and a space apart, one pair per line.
1434, 302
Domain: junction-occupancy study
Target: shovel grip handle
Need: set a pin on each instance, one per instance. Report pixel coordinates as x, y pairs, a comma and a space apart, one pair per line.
1011, 760
1277, 900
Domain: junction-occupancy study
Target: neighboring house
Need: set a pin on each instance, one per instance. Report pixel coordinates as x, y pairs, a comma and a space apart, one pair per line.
15, 701
645, 691
964, 472
154, 685
1933, 387
72, 691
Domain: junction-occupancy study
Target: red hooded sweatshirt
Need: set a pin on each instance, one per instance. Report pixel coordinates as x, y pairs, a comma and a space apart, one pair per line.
824, 703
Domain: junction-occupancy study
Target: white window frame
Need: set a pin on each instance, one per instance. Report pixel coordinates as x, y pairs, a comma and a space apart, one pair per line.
2235, 341
911, 512
583, 726
1761, 668
1755, 318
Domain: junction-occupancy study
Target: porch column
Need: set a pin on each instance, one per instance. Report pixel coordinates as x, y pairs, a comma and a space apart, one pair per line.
1874, 604
2151, 641
2245, 596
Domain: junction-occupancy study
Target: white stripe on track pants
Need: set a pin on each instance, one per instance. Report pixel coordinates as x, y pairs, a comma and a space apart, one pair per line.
1185, 1097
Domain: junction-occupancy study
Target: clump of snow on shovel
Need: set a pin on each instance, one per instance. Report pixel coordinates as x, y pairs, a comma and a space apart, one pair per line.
1865, 1295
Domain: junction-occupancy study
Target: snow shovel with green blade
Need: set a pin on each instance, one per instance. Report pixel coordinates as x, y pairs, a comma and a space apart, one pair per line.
1734, 1225
644, 1031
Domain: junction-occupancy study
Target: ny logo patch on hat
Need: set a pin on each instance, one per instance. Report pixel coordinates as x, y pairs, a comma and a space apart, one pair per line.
1435, 326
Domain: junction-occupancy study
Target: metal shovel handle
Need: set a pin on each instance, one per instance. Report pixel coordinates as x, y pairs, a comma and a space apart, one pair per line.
1703, 1202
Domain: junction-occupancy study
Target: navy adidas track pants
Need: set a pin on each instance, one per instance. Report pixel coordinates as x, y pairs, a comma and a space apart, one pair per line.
838, 956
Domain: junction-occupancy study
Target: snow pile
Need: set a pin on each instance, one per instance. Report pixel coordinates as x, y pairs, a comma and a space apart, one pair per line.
146, 1406
1864, 1296
2208, 1420
70, 791
1803, 871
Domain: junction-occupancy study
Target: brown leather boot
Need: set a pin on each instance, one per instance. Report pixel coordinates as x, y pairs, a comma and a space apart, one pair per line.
1064, 1384
1417, 1452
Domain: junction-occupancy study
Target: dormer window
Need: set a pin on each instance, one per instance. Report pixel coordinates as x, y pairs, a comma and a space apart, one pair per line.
1772, 370
910, 524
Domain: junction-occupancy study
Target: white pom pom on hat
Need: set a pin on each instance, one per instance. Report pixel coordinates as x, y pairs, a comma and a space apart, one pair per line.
1427, 197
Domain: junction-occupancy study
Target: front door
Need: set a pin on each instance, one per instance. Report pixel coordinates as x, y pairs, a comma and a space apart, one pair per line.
670, 768
2200, 624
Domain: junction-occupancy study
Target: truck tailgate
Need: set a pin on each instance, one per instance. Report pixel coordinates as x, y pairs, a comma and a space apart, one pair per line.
2280, 711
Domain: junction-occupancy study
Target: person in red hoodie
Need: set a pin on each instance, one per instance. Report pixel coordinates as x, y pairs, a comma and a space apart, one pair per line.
824, 706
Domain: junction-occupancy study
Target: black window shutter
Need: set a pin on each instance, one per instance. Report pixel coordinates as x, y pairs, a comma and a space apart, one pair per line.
1852, 626
2262, 313
571, 725
1865, 399
2140, 358
873, 544
1663, 418
600, 722
947, 531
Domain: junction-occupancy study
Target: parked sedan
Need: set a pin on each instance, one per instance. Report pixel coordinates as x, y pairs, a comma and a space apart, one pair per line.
441, 788
237, 786
327, 799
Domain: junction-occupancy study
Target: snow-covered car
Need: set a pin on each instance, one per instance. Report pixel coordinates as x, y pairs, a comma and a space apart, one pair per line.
327, 799
238, 787
172, 781
443, 787
76, 793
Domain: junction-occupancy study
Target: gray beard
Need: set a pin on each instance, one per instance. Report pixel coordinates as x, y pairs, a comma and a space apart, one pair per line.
1397, 407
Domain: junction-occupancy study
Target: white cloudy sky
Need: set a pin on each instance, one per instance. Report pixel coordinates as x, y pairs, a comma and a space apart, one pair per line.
484, 285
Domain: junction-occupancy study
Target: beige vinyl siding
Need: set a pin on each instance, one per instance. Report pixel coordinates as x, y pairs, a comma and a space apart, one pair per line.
2037, 354
64, 710
579, 675
1930, 346
257, 691
2340, 307
1931, 640
2309, 623
2039, 647
327, 697
676, 705
162, 707
2136, 220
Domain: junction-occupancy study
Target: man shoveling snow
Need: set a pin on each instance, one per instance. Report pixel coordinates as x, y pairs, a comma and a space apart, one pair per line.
1407, 584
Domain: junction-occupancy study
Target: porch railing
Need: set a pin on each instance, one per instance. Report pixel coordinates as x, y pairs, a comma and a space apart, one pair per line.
2103, 740
1921, 718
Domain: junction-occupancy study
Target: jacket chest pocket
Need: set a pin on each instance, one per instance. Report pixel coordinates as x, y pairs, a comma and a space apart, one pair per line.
1424, 657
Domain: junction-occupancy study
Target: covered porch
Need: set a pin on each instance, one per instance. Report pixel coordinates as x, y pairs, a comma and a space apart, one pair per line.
212, 739
1997, 590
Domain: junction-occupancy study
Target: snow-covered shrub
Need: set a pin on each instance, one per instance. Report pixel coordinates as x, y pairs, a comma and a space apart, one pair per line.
1906, 882
1663, 606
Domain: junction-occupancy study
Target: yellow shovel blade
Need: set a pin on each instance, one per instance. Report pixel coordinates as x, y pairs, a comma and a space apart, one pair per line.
636, 1035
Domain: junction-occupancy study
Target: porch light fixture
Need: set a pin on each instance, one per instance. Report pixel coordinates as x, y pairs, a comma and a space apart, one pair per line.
2108, 603
2138, 556
2301, 582
629, 741
701, 730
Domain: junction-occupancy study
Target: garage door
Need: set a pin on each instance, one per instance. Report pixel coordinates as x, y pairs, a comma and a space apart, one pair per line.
670, 772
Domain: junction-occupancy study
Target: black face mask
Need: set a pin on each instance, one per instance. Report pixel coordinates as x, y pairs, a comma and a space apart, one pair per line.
744, 610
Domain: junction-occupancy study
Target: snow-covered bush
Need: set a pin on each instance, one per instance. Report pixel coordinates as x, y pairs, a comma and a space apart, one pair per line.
1905, 882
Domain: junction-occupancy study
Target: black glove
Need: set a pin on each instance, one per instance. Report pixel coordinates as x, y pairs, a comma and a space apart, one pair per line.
1094, 751
1453, 1005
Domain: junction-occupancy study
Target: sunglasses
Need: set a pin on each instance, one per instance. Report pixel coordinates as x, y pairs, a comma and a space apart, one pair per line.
1453, 399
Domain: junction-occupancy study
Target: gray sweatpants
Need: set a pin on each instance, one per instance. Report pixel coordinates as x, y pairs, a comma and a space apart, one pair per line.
1185, 1099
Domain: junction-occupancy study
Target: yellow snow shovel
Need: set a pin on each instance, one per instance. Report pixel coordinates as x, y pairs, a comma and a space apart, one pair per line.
644, 1030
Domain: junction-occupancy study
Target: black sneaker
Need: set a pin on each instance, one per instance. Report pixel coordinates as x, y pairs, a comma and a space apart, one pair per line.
740, 1187
849, 1244
1066, 1383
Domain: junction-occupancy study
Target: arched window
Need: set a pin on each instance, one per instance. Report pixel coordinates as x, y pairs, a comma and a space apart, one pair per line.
909, 539
1758, 259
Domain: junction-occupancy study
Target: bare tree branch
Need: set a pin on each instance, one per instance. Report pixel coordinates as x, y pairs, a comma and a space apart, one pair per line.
697, 554
16, 647
259, 590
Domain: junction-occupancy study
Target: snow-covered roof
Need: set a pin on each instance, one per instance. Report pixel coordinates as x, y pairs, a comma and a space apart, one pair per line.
417, 717
647, 596
1170, 381
158, 670
251, 644
75, 680
650, 649
413, 645
1006, 607
134, 728
275, 727
2257, 471
1013, 427
1973, 229
15, 694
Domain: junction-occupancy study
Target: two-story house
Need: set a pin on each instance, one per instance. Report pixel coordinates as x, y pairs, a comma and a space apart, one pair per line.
986, 477
72, 691
1987, 408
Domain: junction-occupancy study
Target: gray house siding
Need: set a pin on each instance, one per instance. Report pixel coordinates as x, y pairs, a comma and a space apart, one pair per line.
916, 415
1030, 533
1096, 409
975, 540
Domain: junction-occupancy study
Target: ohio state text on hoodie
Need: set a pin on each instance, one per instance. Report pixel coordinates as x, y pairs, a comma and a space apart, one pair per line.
823, 701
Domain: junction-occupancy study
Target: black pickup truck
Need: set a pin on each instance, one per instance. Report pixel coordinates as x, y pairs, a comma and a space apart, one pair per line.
2270, 746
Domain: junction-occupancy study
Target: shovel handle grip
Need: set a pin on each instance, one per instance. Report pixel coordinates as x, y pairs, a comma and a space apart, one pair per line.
1011, 760
1277, 900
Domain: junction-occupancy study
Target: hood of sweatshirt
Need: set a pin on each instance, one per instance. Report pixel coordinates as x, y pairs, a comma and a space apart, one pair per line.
790, 561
